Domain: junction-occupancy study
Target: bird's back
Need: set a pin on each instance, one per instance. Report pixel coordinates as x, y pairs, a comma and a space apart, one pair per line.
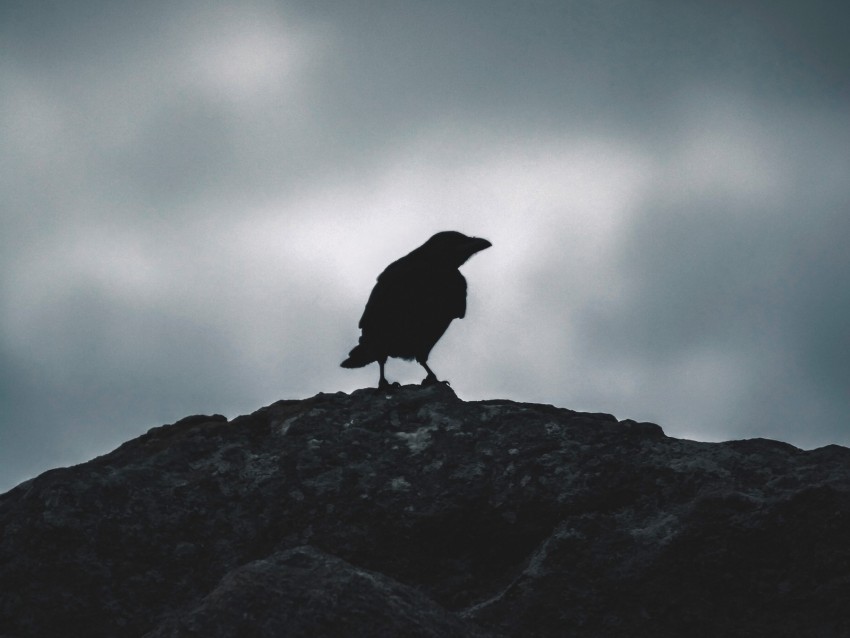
411, 305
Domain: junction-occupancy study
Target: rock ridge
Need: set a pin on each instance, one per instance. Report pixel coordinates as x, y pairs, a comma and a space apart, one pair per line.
412, 512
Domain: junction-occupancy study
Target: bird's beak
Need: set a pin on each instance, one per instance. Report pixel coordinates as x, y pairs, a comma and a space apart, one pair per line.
467, 249
476, 244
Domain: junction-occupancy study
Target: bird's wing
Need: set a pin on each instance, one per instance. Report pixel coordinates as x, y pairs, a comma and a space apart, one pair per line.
455, 294
408, 288
393, 292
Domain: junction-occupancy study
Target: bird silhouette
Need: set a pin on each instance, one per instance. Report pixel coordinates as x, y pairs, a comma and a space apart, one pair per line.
413, 302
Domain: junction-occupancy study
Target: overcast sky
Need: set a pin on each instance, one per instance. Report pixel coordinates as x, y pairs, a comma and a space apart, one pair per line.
197, 198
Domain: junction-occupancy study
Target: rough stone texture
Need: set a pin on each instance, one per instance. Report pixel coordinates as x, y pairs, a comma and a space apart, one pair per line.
305, 592
415, 513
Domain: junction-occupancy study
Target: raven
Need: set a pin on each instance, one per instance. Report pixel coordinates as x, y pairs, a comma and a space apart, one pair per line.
413, 303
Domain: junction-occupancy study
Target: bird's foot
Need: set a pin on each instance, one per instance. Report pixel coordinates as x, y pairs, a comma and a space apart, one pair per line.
432, 380
383, 384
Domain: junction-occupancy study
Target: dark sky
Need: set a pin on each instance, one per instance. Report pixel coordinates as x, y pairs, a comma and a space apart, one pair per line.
197, 197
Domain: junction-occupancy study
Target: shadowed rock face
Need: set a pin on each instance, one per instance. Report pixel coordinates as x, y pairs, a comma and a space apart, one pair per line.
413, 513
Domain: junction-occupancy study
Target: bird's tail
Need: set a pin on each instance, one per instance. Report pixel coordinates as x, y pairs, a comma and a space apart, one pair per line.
358, 358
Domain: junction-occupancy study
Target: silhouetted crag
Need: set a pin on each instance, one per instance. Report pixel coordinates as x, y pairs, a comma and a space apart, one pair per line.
413, 513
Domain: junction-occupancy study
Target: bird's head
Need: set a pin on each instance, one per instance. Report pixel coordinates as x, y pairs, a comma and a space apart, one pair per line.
453, 248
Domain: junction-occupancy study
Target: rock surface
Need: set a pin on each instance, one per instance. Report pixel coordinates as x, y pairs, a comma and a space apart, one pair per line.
413, 513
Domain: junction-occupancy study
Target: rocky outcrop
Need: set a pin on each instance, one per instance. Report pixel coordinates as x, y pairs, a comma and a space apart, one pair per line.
413, 513
305, 592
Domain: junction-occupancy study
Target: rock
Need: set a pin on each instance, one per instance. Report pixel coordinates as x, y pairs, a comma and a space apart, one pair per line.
305, 592
411, 512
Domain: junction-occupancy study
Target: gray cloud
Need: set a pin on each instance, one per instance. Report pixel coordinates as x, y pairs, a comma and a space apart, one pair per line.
197, 198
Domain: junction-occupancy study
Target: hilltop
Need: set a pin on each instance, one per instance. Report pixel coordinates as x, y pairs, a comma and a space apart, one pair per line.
414, 513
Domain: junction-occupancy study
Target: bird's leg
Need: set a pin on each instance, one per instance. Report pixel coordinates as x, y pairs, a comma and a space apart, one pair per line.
431, 378
383, 384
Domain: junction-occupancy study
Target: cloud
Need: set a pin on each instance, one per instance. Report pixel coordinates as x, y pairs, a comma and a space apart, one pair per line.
734, 257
